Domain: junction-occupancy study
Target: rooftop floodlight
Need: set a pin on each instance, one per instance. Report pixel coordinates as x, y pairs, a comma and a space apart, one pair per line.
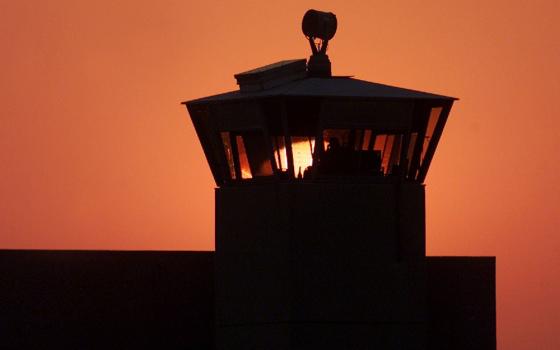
319, 27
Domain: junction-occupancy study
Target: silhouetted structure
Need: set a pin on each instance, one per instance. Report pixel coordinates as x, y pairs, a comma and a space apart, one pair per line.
320, 234
320, 223
123, 299
106, 300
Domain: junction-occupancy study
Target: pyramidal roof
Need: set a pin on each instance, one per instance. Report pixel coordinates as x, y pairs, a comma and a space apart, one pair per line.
285, 78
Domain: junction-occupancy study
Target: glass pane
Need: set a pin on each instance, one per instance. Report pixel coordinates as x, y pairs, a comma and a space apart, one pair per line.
394, 162
336, 138
350, 152
410, 152
379, 144
432, 122
243, 159
279, 148
229, 154
257, 153
388, 147
379, 147
360, 152
366, 140
302, 149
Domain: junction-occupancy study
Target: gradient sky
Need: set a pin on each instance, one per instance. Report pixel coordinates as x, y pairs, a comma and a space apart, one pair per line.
96, 151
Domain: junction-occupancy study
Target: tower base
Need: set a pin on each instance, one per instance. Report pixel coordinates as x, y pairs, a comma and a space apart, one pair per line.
326, 266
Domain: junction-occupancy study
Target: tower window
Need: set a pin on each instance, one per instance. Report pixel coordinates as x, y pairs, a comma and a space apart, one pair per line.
226, 141
359, 152
246, 154
243, 159
430, 129
302, 148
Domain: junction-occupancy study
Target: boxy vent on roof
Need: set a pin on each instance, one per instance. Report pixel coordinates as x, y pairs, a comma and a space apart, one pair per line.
271, 75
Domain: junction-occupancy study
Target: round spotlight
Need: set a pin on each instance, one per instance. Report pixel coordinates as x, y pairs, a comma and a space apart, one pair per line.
320, 25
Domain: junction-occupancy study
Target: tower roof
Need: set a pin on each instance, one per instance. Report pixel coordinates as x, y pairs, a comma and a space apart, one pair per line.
346, 87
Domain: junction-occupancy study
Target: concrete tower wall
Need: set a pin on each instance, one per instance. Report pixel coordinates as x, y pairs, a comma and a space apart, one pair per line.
320, 266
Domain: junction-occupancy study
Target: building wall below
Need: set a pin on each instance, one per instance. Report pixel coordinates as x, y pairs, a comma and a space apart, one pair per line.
462, 302
116, 299
106, 299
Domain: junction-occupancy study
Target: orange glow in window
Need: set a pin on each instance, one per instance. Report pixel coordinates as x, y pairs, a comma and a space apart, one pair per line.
302, 148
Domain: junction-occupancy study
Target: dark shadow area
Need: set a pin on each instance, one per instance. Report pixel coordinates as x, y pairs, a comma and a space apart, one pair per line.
462, 303
119, 299
106, 299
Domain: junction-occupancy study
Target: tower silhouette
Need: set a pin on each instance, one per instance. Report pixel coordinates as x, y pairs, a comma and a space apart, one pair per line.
320, 214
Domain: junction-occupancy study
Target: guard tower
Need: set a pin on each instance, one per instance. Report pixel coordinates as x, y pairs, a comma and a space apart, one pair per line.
320, 215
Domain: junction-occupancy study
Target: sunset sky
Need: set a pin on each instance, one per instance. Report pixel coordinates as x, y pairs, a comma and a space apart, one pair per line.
96, 151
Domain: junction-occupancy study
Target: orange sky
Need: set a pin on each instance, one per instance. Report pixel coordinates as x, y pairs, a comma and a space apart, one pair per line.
96, 151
